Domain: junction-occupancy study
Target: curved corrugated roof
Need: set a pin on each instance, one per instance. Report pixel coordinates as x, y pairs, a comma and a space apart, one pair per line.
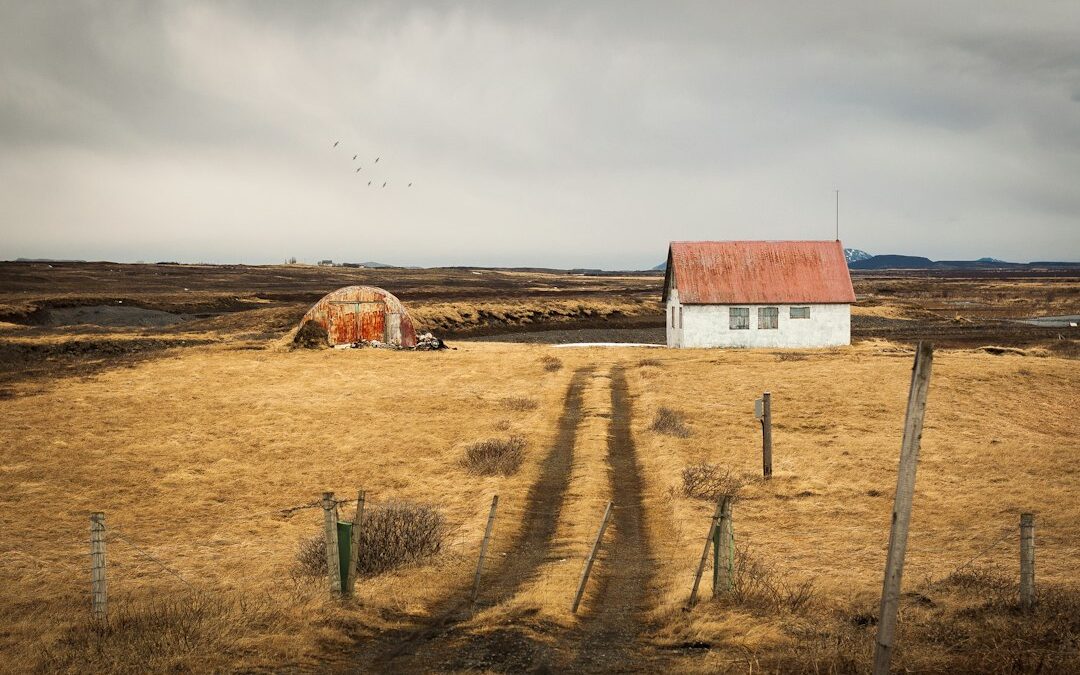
758, 272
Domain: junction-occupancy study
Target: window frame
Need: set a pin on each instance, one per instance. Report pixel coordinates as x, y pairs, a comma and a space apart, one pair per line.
805, 312
768, 315
743, 316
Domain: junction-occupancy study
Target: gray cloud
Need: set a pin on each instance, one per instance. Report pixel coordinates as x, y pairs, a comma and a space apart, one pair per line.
554, 134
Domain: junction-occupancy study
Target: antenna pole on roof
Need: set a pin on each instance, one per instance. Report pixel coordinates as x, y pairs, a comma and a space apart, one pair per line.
837, 215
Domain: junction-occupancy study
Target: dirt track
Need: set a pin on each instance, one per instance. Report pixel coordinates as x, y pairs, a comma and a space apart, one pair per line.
608, 639
434, 644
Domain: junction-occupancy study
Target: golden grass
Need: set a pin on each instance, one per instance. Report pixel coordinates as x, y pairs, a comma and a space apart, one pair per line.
188, 454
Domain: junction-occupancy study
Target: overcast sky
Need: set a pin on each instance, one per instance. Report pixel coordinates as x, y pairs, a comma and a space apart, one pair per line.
535, 133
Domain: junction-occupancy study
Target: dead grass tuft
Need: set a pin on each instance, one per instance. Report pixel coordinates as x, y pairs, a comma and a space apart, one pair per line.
170, 633
670, 422
311, 336
393, 535
550, 363
520, 403
791, 356
651, 363
495, 456
708, 481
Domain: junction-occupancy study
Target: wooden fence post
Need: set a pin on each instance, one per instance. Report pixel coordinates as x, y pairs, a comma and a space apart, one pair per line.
1027, 560
766, 435
484, 547
705, 554
354, 550
590, 559
333, 559
99, 591
901, 516
722, 545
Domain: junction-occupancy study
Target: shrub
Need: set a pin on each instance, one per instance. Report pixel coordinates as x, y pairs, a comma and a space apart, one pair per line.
519, 403
757, 585
311, 336
391, 535
550, 363
708, 482
495, 456
670, 422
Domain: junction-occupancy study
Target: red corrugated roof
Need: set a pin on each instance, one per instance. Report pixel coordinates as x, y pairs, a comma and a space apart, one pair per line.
756, 272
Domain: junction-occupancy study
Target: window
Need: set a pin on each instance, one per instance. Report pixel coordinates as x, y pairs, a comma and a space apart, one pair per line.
673, 316
768, 317
680, 317
800, 312
739, 318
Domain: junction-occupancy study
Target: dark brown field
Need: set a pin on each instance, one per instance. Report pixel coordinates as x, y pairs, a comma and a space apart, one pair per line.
56, 317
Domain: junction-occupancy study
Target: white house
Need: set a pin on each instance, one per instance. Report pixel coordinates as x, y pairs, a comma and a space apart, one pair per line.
757, 294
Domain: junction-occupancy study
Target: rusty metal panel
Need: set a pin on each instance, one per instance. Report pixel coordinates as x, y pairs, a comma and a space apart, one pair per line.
357, 313
758, 272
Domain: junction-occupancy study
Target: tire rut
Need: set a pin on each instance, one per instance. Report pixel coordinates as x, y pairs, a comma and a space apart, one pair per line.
415, 649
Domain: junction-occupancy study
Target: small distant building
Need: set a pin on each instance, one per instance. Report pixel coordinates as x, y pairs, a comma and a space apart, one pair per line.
757, 294
357, 313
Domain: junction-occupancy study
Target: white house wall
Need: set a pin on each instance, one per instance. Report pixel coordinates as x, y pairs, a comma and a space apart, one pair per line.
707, 326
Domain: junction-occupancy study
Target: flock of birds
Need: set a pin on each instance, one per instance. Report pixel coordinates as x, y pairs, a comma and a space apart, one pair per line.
373, 182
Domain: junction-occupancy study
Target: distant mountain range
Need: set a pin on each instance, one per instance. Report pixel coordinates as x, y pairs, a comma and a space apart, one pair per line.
913, 262
857, 259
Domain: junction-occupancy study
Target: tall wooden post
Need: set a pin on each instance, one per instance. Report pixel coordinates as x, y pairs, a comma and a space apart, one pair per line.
333, 559
354, 549
766, 435
901, 516
705, 554
484, 547
722, 553
1027, 560
99, 591
591, 559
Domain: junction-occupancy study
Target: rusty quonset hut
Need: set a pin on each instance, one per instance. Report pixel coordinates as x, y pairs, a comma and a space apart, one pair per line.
355, 313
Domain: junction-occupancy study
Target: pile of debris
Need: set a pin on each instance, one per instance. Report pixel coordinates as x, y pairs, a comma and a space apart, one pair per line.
424, 343
429, 343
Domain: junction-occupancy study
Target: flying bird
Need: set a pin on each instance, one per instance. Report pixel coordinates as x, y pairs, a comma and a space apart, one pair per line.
335, 143
369, 183
358, 169
354, 157
410, 184
384, 184
376, 160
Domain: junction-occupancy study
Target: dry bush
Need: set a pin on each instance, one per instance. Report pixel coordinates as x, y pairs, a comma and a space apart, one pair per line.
655, 363
759, 586
670, 422
708, 481
550, 363
311, 336
392, 535
495, 456
164, 634
519, 403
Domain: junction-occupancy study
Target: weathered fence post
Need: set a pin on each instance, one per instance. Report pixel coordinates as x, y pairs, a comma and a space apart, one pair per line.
99, 591
722, 549
333, 557
484, 547
590, 559
766, 435
354, 549
705, 554
1027, 560
901, 516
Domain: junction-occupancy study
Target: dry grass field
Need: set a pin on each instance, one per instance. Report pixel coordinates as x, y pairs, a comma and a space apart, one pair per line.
197, 451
